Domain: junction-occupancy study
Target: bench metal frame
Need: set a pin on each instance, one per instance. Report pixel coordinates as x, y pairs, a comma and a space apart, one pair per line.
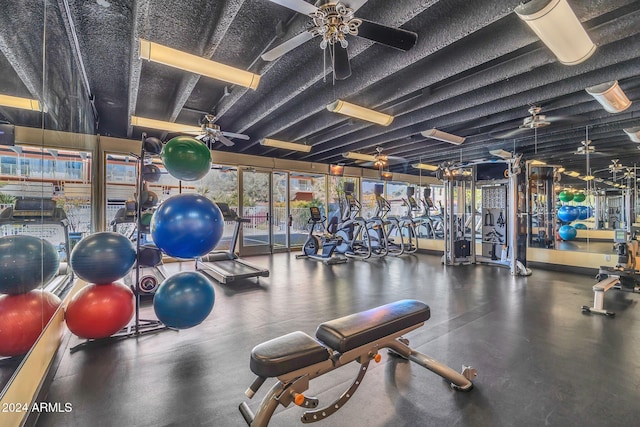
291, 385
598, 296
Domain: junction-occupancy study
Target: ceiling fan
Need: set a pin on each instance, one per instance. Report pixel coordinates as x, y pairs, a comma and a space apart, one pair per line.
377, 160
614, 167
585, 148
332, 22
534, 121
212, 133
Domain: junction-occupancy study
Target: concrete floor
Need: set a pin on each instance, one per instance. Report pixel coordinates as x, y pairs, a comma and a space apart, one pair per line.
540, 360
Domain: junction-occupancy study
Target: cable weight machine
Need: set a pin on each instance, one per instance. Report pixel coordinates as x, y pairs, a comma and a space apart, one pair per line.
500, 223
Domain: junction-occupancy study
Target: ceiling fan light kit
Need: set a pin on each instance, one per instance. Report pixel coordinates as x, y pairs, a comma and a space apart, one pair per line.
358, 112
572, 174
443, 136
610, 95
555, 23
425, 166
22, 103
205, 67
386, 175
633, 133
275, 143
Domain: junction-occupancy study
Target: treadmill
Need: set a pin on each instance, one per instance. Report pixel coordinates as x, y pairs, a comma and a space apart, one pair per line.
225, 266
37, 212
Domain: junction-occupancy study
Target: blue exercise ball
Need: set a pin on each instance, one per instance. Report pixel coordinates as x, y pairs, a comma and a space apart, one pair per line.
584, 212
184, 300
187, 226
26, 262
103, 258
567, 232
580, 226
568, 213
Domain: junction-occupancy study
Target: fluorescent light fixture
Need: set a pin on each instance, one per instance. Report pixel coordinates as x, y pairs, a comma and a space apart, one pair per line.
561, 169
610, 96
162, 125
359, 112
558, 28
501, 153
359, 156
275, 143
537, 163
443, 136
425, 166
608, 182
17, 102
598, 180
633, 133
587, 177
572, 174
196, 64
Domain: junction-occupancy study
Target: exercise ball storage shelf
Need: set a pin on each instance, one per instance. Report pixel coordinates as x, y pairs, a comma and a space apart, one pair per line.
185, 226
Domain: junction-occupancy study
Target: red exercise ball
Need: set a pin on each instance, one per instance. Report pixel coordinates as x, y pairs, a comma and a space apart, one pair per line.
22, 318
99, 311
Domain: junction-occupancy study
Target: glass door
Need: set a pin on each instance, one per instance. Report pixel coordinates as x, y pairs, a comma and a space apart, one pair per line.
305, 190
281, 219
255, 206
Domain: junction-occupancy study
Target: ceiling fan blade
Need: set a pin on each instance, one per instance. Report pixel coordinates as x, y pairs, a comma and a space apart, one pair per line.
300, 6
341, 65
388, 36
236, 135
355, 4
289, 45
225, 141
509, 133
396, 160
564, 119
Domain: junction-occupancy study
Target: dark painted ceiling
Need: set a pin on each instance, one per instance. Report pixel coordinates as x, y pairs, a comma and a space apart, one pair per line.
475, 71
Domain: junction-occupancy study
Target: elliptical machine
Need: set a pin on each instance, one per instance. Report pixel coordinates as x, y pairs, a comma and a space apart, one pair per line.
352, 228
430, 226
329, 242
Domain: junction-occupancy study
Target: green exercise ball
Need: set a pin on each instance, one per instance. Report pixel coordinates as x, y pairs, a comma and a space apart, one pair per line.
579, 197
186, 158
565, 196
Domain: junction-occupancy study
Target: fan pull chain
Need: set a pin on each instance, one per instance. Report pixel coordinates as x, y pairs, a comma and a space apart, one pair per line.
324, 65
333, 63
535, 140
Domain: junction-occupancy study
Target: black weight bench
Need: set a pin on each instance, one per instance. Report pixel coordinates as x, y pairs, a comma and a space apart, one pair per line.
297, 358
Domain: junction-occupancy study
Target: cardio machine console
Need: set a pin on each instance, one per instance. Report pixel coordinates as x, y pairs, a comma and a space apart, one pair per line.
315, 214
620, 236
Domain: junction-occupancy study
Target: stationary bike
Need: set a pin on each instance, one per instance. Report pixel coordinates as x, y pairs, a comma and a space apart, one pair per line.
329, 242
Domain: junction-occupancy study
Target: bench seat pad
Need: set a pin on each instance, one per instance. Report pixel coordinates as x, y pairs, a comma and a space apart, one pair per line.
286, 354
355, 330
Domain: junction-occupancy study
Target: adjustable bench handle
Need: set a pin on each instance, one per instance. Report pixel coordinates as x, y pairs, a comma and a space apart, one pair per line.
253, 388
